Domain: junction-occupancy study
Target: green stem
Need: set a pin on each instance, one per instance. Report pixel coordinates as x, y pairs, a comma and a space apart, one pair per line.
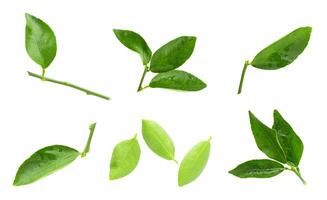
246, 64
89, 140
88, 92
140, 88
43, 73
297, 172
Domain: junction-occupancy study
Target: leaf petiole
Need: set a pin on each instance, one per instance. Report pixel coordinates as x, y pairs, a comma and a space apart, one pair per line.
89, 140
88, 92
140, 88
246, 64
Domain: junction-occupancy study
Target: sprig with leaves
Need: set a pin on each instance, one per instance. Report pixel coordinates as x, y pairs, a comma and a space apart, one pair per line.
164, 61
280, 143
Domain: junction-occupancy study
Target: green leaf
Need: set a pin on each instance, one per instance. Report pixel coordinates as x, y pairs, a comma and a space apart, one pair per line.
134, 42
258, 169
124, 159
40, 41
289, 141
179, 80
194, 163
158, 140
173, 54
284, 51
266, 139
44, 162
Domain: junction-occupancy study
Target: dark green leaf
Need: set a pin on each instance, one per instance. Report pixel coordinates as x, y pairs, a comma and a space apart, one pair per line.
124, 159
173, 54
134, 42
266, 139
258, 169
289, 141
194, 163
40, 41
284, 51
44, 162
179, 80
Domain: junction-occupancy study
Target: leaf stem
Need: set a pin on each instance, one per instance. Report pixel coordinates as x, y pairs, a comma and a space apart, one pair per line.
89, 140
43, 73
88, 92
246, 64
140, 88
296, 170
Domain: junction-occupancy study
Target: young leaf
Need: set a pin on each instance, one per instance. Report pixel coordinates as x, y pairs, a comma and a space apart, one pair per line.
173, 54
288, 139
194, 163
284, 51
158, 140
134, 42
179, 80
266, 139
44, 162
40, 41
258, 169
124, 159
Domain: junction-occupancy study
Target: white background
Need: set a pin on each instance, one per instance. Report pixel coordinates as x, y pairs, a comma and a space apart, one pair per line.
34, 114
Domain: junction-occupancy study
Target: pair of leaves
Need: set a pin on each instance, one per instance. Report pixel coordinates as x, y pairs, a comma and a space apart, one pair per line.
126, 154
164, 61
49, 160
280, 53
279, 143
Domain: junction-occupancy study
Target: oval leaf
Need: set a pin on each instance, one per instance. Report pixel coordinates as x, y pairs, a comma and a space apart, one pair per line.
266, 139
258, 169
173, 54
124, 159
284, 51
44, 162
134, 42
40, 41
158, 140
288, 139
179, 80
194, 163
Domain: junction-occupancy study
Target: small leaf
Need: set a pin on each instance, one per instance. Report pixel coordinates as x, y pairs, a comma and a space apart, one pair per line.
194, 163
158, 140
179, 80
284, 51
124, 159
44, 162
40, 41
173, 54
289, 141
134, 42
266, 139
258, 169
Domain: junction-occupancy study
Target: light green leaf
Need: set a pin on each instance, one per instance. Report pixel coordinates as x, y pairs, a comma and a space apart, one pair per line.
266, 139
40, 41
158, 140
125, 158
258, 169
288, 139
284, 51
179, 80
134, 42
194, 163
173, 54
44, 162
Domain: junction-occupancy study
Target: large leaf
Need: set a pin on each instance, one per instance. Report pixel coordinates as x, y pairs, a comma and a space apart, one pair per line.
44, 162
179, 80
124, 159
158, 140
194, 163
173, 54
266, 139
40, 41
258, 169
289, 141
284, 51
134, 42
